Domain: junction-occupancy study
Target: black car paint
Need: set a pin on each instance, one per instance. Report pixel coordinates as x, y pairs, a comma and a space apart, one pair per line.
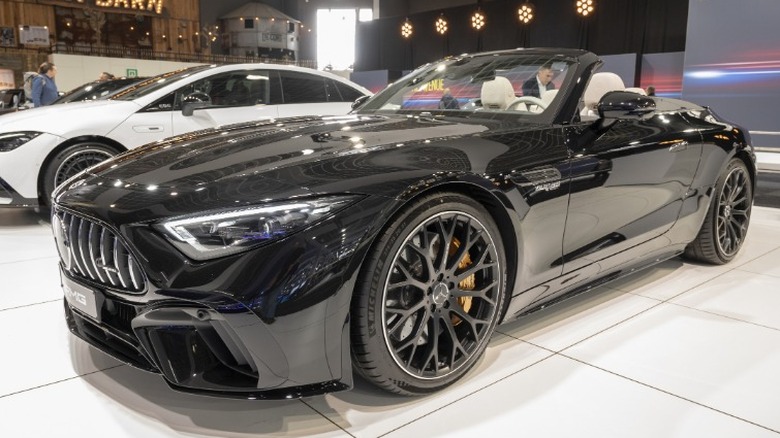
293, 312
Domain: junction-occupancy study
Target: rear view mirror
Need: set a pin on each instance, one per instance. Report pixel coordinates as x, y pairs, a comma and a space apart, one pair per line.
625, 105
359, 102
194, 101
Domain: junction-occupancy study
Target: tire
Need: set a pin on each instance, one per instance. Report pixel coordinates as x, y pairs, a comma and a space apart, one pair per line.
70, 161
420, 318
725, 227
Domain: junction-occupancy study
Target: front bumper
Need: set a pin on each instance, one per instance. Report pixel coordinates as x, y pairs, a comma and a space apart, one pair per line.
20, 168
201, 350
11, 198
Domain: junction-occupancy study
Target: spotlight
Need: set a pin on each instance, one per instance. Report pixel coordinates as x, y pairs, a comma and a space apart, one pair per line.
406, 29
585, 7
477, 20
525, 13
441, 25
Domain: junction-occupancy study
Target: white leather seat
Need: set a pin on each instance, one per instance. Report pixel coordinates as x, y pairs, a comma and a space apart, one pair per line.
637, 90
497, 94
600, 84
548, 96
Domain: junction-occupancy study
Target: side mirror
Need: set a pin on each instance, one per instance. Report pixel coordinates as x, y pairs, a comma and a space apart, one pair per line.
194, 101
359, 102
625, 105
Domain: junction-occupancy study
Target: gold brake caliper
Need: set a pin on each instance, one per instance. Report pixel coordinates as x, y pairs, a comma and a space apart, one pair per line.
468, 283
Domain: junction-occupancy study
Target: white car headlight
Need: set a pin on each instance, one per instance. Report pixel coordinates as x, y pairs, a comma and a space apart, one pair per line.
212, 235
12, 140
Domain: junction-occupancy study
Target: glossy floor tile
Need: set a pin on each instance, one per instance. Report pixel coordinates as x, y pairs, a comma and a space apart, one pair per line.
678, 350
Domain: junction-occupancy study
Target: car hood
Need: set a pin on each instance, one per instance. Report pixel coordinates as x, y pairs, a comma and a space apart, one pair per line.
255, 162
72, 119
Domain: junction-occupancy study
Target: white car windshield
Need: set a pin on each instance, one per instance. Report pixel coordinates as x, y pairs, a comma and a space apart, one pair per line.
155, 83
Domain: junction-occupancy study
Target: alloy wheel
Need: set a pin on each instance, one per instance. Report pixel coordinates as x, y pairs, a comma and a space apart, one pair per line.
441, 297
78, 161
733, 211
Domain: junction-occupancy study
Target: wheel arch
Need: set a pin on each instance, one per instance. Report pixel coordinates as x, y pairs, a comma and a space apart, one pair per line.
492, 204
118, 147
750, 163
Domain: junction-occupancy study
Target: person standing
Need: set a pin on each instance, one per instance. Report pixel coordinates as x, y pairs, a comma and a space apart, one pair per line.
44, 89
541, 81
448, 101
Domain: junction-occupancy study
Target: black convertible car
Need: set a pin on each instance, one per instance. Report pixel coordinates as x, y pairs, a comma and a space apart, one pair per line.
270, 259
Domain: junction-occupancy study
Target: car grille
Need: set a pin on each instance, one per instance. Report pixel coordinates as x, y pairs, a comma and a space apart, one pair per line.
91, 251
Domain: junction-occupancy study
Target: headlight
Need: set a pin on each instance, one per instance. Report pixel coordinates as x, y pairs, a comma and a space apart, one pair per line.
228, 232
12, 140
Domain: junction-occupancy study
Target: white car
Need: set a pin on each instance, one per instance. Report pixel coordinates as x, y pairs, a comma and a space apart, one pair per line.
41, 148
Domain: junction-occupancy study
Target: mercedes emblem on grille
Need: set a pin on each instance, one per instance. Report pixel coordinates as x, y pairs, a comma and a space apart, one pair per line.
102, 265
63, 244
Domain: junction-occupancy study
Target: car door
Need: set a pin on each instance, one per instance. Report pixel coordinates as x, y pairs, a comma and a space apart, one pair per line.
150, 124
627, 185
311, 94
237, 96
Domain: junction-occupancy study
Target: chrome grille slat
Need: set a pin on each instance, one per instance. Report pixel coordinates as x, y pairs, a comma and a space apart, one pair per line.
97, 254
84, 249
73, 235
105, 254
132, 268
117, 250
93, 236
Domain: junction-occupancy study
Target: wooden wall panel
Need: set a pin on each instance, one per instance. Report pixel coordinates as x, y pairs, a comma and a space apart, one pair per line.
13, 13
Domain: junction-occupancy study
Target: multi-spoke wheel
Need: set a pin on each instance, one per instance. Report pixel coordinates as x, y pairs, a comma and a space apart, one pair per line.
725, 226
431, 295
71, 161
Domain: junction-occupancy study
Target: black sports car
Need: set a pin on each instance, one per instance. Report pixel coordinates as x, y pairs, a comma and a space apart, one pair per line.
270, 259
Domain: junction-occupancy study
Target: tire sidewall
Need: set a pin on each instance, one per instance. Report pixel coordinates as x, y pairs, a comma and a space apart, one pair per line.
715, 207
379, 266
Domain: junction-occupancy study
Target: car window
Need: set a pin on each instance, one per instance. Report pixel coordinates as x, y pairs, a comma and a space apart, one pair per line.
300, 87
348, 94
276, 89
153, 84
243, 88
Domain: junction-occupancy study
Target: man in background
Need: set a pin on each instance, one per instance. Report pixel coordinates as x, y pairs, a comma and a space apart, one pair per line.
541, 81
44, 89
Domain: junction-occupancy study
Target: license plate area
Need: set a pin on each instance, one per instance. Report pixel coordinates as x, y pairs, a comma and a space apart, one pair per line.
82, 298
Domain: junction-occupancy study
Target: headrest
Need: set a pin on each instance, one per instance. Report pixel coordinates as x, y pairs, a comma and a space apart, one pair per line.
637, 90
497, 93
600, 84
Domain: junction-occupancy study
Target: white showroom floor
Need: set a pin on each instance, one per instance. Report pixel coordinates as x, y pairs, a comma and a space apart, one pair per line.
680, 350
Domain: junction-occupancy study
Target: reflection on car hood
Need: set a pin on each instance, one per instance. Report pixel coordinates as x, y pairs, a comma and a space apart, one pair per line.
78, 118
236, 151
255, 162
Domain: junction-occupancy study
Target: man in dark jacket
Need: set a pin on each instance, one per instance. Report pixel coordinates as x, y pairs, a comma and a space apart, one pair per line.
542, 80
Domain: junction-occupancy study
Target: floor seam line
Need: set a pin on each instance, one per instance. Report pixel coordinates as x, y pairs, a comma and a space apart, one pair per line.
32, 304
59, 381
664, 391
326, 417
472, 393
709, 312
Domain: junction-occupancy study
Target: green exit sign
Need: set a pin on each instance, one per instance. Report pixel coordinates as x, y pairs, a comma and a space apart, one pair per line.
132, 72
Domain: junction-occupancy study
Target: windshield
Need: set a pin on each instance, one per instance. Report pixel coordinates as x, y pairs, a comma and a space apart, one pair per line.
153, 84
95, 90
513, 83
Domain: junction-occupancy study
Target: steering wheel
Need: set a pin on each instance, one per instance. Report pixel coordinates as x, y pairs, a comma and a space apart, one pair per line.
532, 100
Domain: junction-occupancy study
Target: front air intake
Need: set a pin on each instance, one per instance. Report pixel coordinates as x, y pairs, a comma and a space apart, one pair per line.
91, 251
